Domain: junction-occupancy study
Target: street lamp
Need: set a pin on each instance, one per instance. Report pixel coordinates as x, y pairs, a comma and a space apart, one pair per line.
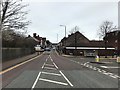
65, 36
65, 29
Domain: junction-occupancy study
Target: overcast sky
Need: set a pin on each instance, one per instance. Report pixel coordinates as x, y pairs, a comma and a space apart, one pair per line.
47, 16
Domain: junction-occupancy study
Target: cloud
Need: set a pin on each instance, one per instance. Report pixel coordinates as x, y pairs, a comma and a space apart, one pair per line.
47, 16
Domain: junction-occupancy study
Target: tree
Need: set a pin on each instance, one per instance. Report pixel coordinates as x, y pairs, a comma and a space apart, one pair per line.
12, 15
105, 27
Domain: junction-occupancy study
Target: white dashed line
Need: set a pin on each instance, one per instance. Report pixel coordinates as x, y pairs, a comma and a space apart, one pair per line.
99, 70
109, 67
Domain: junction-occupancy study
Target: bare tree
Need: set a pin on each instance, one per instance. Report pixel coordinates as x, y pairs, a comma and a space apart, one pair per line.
105, 27
13, 15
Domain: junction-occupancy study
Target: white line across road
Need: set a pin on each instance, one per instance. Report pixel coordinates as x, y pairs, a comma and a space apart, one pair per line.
51, 73
50, 68
47, 80
49, 65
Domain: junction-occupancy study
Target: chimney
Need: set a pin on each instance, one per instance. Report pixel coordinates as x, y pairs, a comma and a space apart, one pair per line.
34, 34
29, 36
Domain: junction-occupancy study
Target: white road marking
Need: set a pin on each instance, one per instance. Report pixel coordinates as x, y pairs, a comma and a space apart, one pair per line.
66, 79
47, 80
11, 68
43, 65
45, 62
38, 75
53, 62
90, 66
109, 67
51, 73
36, 80
99, 70
55, 65
56, 52
63, 75
50, 68
47, 59
49, 65
107, 62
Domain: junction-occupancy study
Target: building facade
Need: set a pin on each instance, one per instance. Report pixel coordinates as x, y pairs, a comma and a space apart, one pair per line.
78, 44
113, 39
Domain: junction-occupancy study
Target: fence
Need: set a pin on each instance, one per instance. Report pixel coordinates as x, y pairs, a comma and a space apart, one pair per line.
12, 53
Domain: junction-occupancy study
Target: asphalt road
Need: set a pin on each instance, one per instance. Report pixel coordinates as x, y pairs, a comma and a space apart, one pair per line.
55, 71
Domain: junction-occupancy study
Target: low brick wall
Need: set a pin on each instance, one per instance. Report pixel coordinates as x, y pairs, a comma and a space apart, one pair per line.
13, 53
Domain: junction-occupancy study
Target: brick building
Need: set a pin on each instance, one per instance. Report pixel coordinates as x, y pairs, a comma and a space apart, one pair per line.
78, 44
113, 39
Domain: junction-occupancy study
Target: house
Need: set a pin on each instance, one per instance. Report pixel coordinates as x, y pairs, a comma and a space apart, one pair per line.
113, 39
78, 44
41, 40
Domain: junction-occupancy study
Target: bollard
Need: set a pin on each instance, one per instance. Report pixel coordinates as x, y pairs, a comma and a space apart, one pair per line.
97, 58
118, 59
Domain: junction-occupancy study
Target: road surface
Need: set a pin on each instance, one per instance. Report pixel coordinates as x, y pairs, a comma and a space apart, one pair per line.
55, 71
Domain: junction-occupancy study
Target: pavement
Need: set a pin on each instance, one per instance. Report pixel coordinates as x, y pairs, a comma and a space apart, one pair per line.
13, 62
56, 71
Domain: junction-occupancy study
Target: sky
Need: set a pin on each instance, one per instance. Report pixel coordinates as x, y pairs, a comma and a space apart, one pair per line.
47, 16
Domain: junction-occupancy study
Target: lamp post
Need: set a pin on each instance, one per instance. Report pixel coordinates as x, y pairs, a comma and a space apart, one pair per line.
65, 29
65, 37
